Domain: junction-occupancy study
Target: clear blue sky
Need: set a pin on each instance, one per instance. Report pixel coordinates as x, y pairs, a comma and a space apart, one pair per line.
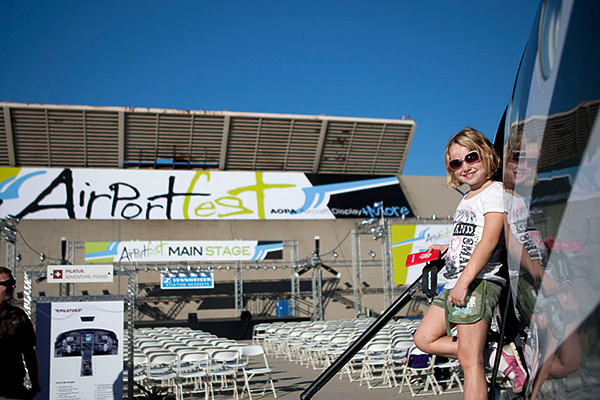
446, 64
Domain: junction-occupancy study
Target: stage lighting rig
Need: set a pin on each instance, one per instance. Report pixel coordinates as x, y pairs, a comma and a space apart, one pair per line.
316, 262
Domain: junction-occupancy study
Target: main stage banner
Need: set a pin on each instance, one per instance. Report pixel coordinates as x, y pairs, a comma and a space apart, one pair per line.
182, 251
53, 193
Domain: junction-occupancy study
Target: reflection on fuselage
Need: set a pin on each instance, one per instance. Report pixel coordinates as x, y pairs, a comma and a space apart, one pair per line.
552, 192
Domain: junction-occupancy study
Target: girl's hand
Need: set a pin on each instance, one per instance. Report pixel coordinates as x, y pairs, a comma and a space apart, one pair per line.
536, 271
441, 247
458, 295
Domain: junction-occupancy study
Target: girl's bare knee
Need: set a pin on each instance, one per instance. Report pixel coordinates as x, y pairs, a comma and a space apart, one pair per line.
421, 343
468, 359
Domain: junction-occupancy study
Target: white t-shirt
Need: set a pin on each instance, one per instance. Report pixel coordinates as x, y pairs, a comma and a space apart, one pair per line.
466, 234
523, 228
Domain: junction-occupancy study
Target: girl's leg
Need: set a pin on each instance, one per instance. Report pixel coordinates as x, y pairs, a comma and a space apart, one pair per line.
431, 337
568, 359
471, 341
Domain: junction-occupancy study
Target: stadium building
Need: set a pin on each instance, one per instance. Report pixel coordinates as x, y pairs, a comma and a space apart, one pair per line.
97, 169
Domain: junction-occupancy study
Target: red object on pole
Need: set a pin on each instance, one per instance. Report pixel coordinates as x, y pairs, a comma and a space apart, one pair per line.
422, 257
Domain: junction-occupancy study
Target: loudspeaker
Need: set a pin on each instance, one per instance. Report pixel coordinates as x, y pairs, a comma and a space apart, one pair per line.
246, 315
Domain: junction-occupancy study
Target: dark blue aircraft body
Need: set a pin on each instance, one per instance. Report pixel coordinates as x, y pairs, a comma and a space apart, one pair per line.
551, 140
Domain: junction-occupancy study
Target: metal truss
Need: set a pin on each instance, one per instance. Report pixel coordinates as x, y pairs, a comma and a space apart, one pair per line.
380, 229
8, 232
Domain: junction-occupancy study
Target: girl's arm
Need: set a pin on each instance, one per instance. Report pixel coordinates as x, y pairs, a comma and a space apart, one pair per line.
492, 229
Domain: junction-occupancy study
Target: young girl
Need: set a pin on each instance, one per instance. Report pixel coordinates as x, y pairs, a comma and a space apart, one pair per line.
473, 261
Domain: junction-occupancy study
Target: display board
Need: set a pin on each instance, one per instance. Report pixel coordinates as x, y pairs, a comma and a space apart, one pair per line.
80, 349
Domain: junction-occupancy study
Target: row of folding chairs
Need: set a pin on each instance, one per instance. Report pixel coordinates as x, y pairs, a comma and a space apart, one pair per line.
403, 365
390, 359
187, 362
318, 344
210, 372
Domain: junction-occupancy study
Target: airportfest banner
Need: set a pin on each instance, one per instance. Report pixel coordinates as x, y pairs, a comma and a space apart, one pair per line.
52, 193
182, 251
408, 239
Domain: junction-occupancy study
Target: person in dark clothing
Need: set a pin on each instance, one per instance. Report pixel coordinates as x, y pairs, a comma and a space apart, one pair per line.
17, 344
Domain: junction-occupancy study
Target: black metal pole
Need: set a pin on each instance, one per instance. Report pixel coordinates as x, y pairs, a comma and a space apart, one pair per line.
362, 340
496, 366
64, 261
63, 250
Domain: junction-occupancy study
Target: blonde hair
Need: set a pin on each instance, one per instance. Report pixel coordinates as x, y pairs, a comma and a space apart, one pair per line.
472, 139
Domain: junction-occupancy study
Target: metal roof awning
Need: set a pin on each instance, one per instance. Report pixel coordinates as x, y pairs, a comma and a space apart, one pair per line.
40, 135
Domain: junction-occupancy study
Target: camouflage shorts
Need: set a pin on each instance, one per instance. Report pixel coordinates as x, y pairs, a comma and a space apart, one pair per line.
482, 299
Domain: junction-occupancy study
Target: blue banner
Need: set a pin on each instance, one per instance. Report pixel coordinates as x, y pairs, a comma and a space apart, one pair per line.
192, 280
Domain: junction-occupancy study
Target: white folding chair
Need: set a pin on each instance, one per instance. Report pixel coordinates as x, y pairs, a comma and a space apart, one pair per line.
297, 341
139, 371
376, 365
193, 371
399, 358
352, 367
185, 365
451, 371
337, 345
223, 370
317, 352
251, 370
259, 333
143, 344
419, 374
162, 369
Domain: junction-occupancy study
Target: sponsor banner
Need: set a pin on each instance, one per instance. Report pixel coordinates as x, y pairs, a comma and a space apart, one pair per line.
52, 193
409, 239
355, 196
80, 273
191, 280
80, 349
183, 251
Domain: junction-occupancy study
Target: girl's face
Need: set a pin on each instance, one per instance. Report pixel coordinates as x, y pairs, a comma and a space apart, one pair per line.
475, 174
520, 166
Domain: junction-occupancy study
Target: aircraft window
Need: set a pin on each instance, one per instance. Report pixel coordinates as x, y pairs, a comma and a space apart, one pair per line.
548, 36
